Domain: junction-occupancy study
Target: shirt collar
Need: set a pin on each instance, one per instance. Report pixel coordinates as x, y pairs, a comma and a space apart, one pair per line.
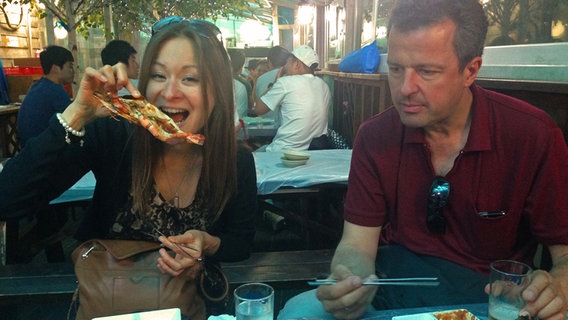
481, 129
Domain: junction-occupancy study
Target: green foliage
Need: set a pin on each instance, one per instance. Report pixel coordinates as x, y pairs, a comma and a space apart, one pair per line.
133, 15
94, 20
523, 21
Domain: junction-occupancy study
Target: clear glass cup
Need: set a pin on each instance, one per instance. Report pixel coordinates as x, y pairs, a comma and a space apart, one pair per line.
254, 301
259, 122
507, 279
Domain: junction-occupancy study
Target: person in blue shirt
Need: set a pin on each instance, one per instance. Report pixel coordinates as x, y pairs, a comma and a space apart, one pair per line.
46, 96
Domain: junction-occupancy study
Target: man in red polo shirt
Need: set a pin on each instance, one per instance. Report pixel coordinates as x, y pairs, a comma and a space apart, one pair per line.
450, 179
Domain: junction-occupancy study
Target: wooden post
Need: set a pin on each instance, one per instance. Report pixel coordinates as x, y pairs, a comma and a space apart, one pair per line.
108, 23
49, 28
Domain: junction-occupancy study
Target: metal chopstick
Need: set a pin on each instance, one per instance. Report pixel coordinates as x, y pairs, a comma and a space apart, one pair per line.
182, 247
425, 281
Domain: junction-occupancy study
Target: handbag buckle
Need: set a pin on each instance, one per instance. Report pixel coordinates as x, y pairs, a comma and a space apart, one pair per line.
85, 254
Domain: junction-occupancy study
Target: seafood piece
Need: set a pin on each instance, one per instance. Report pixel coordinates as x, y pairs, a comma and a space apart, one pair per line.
143, 113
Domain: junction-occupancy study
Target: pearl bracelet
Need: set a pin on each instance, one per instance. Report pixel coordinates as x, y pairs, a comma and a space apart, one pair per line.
68, 130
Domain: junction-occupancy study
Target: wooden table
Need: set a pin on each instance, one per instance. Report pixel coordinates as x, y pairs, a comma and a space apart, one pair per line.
310, 195
9, 130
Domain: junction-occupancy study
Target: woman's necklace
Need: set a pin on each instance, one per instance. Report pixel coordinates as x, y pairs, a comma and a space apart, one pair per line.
174, 201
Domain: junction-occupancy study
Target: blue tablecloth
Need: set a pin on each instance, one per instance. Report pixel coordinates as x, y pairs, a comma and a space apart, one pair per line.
324, 166
81, 190
423, 313
479, 310
258, 127
255, 121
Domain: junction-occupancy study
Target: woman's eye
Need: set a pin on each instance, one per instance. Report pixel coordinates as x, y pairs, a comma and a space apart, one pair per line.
190, 79
157, 76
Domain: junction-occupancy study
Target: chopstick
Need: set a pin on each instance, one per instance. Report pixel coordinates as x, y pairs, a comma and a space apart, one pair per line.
425, 281
181, 246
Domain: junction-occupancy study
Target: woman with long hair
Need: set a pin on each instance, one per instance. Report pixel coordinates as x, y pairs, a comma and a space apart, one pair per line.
199, 196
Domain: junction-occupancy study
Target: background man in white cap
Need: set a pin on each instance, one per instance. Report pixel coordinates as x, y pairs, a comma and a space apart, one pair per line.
301, 99
276, 57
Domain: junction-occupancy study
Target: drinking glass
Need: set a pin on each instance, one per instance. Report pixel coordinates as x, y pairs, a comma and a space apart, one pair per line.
259, 122
254, 301
507, 279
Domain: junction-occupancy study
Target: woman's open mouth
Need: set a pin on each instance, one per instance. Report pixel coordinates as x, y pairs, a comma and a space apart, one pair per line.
177, 115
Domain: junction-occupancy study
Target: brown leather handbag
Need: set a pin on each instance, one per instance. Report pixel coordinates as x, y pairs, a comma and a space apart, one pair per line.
121, 276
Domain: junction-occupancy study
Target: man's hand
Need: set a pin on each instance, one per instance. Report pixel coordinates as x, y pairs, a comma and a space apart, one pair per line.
348, 298
545, 297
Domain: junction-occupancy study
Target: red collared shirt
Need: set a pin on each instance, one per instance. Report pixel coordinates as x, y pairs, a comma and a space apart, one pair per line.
515, 160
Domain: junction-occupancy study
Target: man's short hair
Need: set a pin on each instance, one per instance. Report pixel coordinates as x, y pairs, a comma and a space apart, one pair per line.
237, 60
278, 56
54, 55
117, 51
253, 63
468, 16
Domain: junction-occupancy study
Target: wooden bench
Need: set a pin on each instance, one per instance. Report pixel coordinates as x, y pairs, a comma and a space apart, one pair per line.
283, 269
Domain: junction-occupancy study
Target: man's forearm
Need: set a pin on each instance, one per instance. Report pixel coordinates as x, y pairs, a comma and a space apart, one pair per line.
559, 270
260, 107
358, 262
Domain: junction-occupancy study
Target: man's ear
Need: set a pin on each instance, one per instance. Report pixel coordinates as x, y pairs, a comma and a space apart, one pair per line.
300, 66
55, 69
471, 70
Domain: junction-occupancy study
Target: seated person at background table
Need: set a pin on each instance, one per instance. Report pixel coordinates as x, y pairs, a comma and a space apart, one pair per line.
276, 58
121, 51
201, 196
238, 61
301, 100
450, 179
241, 98
256, 68
47, 95
246, 72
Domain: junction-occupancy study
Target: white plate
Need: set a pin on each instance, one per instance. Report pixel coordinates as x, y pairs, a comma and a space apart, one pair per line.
417, 316
458, 314
165, 314
296, 155
293, 163
222, 317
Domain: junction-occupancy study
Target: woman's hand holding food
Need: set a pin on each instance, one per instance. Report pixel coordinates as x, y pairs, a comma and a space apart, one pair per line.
85, 107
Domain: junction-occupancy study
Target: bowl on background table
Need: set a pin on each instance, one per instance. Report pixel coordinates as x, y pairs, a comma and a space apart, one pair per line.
293, 163
296, 155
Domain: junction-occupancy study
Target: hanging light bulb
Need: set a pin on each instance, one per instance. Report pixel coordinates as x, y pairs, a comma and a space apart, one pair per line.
306, 14
60, 29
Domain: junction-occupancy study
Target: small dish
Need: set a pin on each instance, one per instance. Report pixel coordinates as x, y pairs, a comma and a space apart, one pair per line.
165, 314
293, 163
458, 314
296, 155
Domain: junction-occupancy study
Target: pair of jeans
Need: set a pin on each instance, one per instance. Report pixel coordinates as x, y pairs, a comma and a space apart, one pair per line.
458, 285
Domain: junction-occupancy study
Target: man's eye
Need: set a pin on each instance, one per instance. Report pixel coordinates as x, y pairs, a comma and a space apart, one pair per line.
428, 73
393, 70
